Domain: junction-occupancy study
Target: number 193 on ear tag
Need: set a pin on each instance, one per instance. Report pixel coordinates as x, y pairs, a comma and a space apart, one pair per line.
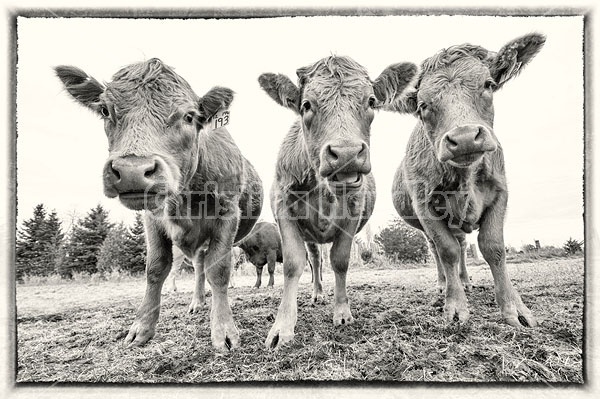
220, 119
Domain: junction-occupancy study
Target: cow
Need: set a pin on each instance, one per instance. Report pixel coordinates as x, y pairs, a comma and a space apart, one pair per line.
323, 190
452, 179
263, 247
171, 155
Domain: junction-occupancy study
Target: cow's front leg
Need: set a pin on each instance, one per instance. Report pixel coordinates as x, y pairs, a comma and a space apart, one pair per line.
294, 260
199, 296
340, 257
259, 270
441, 280
217, 267
158, 264
463, 274
491, 244
448, 252
271, 262
314, 254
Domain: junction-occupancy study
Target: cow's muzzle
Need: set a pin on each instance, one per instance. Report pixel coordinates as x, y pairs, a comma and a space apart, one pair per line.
344, 164
465, 145
139, 182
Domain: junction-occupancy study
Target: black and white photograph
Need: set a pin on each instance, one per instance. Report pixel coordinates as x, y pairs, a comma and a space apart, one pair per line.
240, 199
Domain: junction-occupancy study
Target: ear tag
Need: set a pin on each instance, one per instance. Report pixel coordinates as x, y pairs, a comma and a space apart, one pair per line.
218, 120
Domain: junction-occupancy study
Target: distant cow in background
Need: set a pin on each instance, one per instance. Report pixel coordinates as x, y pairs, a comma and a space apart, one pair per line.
263, 247
171, 155
324, 191
452, 180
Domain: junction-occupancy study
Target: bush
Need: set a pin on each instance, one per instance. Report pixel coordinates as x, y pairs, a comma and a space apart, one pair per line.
573, 246
402, 242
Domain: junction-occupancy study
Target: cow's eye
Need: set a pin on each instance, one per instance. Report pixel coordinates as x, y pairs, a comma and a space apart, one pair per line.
306, 105
372, 102
421, 107
104, 111
188, 118
490, 85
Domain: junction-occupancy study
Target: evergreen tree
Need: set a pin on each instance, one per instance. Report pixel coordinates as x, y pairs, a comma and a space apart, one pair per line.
137, 246
85, 242
114, 254
38, 244
56, 242
30, 245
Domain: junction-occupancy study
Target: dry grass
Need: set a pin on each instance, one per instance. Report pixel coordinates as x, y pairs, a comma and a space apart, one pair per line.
73, 332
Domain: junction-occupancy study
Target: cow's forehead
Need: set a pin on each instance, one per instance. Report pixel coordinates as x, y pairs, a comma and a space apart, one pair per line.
150, 83
333, 79
466, 73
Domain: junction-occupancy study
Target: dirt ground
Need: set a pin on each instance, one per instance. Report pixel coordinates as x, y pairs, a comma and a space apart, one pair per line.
73, 332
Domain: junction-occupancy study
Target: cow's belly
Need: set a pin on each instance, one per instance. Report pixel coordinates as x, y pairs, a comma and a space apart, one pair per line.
251, 201
403, 202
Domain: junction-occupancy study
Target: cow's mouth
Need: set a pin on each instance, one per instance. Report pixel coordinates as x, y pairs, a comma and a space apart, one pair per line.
346, 180
466, 160
139, 200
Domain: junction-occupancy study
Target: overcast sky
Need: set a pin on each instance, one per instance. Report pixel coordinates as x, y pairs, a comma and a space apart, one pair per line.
61, 146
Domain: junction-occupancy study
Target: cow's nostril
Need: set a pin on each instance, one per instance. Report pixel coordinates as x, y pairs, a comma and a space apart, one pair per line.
331, 154
151, 170
480, 133
114, 171
451, 142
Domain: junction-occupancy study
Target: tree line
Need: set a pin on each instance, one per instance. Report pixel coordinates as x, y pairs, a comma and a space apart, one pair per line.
92, 245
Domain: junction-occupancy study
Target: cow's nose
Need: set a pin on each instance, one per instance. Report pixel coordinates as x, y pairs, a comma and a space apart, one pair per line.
342, 157
464, 140
132, 173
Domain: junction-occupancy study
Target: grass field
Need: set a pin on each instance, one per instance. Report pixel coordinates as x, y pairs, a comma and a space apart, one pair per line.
74, 331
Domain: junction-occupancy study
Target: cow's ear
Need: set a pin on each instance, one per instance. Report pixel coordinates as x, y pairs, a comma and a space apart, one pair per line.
281, 89
82, 87
216, 99
405, 104
511, 58
393, 81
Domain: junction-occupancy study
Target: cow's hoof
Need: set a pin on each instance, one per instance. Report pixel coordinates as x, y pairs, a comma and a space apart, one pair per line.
256, 287
270, 286
196, 306
318, 298
441, 286
342, 315
224, 335
524, 318
139, 334
456, 311
467, 286
279, 336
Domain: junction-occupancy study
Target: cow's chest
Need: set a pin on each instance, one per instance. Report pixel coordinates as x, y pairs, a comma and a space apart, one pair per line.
462, 206
321, 214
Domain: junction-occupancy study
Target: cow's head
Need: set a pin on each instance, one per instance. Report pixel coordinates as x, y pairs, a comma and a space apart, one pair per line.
154, 122
453, 97
336, 101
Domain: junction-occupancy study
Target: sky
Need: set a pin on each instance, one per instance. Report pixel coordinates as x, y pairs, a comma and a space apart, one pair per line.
61, 146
